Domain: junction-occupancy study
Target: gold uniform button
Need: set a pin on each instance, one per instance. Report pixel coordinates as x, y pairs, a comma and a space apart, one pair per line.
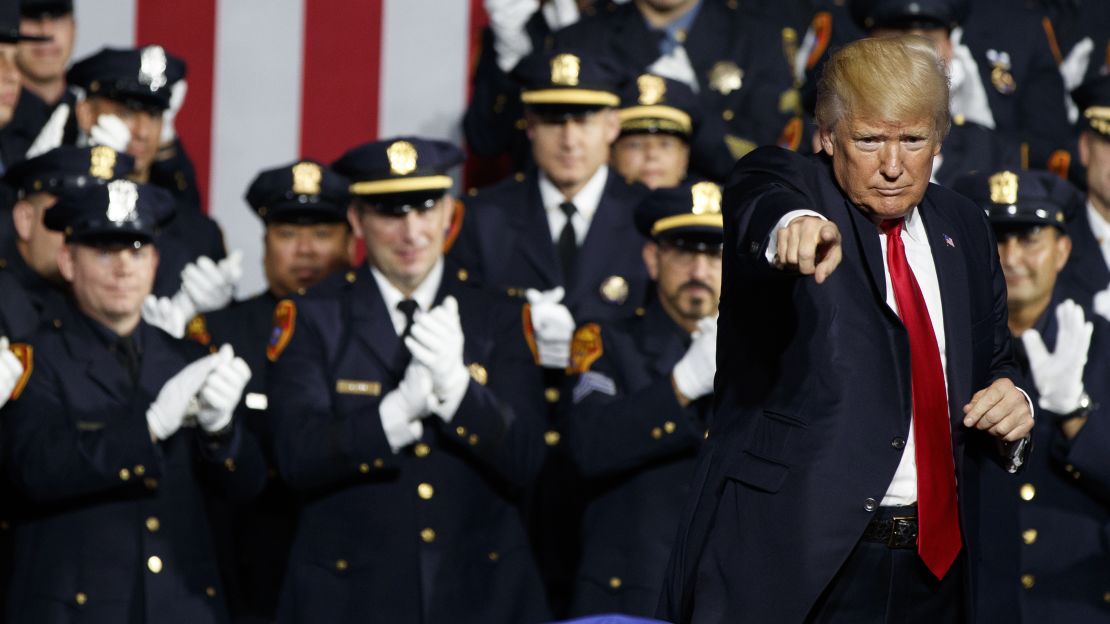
615, 582
379, 463
1069, 468
425, 491
351, 277
1028, 492
151, 483
1028, 581
519, 177
154, 564
551, 438
472, 439
210, 591
494, 556
421, 450
669, 426
551, 395
81, 598
341, 565
728, 115
656, 433
364, 467
461, 430
124, 474
153, 524
1029, 536
473, 192
229, 463
463, 275
428, 535
139, 470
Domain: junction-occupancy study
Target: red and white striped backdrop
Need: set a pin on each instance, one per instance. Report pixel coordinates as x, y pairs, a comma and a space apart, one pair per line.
274, 80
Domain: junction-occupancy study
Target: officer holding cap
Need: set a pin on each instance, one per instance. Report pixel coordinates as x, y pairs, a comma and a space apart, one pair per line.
304, 208
639, 402
659, 118
405, 408
1055, 545
117, 431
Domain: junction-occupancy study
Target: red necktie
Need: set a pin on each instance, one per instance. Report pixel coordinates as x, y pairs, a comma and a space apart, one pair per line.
938, 518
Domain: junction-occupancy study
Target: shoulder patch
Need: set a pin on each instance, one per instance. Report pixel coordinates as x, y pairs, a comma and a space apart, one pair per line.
1059, 162
25, 353
529, 333
791, 136
585, 348
285, 320
822, 33
197, 331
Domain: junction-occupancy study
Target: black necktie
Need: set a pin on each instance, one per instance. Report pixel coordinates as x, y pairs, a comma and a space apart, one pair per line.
128, 356
408, 308
568, 243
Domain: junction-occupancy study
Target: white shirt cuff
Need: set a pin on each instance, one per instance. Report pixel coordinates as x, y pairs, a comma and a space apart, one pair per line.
773, 240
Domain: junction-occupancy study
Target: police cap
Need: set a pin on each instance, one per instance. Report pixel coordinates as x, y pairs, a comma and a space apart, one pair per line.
567, 84
1024, 198
652, 104
908, 14
400, 174
137, 77
68, 168
120, 211
301, 192
687, 216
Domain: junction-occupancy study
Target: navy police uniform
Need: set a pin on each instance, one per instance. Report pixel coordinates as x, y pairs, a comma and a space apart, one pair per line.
254, 538
1053, 523
632, 440
433, 532
142, 78
116, 530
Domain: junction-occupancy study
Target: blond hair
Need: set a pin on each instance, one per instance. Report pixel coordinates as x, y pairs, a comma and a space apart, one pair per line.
888, 78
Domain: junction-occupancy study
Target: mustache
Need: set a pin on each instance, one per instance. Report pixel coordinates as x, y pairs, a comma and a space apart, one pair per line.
695, 284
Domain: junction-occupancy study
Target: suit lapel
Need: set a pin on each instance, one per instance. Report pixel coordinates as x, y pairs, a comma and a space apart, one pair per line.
371, 323
532, 233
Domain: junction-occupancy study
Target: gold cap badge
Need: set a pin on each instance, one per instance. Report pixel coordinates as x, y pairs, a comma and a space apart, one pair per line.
102, 162
306, 178
706, 198
1004, 188
402, 158
652, 89
565, 69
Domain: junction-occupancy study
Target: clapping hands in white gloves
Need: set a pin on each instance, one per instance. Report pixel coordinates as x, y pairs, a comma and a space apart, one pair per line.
10, 371
110, 131
52, 133
1059, 375
222, 390
166, 413
693, 375
436, 342
207, 286
403, 408
507, 19
177, 100
552, 325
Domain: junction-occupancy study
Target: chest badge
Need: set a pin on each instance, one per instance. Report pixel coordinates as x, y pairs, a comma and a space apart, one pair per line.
1001, 76
614, 289
726, 77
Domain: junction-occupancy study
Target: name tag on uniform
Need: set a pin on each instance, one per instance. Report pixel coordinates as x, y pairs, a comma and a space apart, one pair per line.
355, 386
256, 401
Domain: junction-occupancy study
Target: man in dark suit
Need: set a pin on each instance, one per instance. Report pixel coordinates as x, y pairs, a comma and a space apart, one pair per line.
117, 433
1086, 276
1054, 534
808, 503
639, 403
405, 406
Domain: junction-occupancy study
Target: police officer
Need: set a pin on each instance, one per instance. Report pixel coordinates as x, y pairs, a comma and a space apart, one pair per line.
104, 442
639, 405
128, 94
731, 59
404, 406
1063, 501
307, 237
17, 113
1086, 277
43, 63
658, 121
37, 290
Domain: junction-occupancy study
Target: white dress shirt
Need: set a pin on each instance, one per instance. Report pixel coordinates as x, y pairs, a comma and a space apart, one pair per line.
424, 295
1101, 229
586, 203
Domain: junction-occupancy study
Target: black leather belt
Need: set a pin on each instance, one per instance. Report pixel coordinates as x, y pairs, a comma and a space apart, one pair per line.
894, 526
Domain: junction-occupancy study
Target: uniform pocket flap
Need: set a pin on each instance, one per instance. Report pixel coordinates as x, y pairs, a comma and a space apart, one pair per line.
759, 473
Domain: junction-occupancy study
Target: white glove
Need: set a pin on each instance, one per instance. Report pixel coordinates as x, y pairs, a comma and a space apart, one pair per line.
222, 390
1073, 69
165, 414
1102, 304
402, 409
111, 131
436, 341
177, 99
51, 134
1059, 375
552, 325
676, 66
693, 375
510, 40
10, 371
967, 96
163, 313
560, 13
207, 286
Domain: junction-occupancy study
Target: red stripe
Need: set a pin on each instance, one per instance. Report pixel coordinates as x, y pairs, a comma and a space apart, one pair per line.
341, 82
188, 30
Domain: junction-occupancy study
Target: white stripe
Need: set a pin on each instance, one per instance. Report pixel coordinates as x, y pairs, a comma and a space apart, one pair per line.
256, 114
103, 23
424, 68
